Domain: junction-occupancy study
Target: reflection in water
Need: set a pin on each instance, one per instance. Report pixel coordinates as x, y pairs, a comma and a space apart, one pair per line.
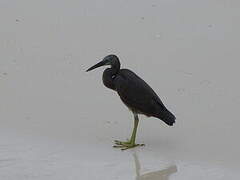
156, 175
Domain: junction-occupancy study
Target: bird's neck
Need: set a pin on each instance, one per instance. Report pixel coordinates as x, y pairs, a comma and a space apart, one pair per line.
115, 66
108, 77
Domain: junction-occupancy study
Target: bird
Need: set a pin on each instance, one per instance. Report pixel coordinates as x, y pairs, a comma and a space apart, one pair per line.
135, 93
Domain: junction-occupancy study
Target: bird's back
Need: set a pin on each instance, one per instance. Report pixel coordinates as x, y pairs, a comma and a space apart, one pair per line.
140, 97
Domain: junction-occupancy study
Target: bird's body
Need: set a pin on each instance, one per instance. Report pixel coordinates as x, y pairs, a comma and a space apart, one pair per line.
135, 93
139, 97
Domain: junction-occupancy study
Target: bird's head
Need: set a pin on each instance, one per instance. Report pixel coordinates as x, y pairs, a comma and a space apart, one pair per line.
111, 60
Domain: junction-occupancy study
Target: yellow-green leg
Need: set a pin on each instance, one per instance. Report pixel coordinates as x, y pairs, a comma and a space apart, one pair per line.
131, 143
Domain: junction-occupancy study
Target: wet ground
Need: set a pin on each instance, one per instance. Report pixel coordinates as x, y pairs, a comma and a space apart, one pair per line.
59, 122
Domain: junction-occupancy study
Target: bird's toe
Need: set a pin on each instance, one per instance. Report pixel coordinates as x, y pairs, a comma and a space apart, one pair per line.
122, 142
125, 145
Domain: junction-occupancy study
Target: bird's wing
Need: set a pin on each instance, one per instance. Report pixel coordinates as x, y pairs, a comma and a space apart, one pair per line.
136, 93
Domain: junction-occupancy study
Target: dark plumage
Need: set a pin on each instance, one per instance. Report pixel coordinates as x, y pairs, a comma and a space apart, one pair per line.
140, 97
135, 93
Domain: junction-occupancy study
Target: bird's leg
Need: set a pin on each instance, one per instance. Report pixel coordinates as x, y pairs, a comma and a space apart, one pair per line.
133, 137
131, 143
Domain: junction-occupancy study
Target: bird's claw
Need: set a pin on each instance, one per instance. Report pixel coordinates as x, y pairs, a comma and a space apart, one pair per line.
126, 145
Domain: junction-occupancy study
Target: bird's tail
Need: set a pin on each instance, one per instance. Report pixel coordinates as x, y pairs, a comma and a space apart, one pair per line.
167, 117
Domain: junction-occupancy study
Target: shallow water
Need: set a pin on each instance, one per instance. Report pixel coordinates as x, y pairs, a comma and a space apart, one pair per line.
59, 122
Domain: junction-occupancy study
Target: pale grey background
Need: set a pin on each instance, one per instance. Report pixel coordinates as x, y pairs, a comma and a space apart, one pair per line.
58, 122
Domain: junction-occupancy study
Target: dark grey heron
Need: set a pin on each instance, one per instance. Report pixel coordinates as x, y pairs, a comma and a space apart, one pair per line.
135, 93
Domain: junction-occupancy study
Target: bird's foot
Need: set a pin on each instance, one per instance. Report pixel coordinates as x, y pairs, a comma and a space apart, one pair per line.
126, 145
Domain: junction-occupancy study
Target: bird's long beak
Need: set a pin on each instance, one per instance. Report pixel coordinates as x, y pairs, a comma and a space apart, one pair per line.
102, 63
